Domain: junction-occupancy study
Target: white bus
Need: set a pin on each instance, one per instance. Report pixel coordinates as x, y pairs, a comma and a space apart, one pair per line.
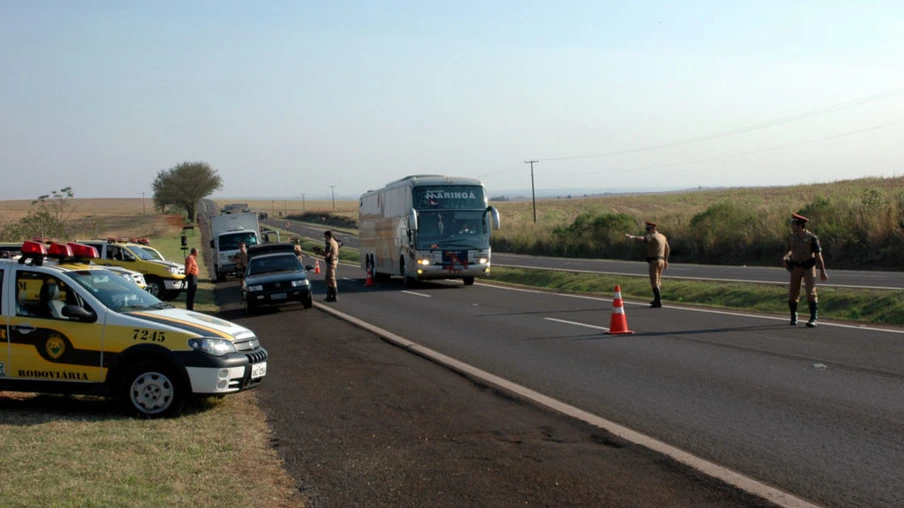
427, 227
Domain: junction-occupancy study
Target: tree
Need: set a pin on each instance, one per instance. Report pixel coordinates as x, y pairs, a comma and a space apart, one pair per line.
49, 217
184, 186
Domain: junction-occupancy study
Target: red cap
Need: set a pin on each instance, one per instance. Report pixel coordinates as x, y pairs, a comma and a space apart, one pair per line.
651, 225
800, 219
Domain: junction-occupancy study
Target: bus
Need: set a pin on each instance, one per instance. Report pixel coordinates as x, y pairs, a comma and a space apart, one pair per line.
427, 227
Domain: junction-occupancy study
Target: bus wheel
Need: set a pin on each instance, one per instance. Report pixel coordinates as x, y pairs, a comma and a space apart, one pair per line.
469, 281
406, 280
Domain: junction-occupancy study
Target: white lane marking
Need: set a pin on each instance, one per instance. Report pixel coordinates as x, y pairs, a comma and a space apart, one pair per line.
664, 276
692, 309
712, 469
416, 294
575, 323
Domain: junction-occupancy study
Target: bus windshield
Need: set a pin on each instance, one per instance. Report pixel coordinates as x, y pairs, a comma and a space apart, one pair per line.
467, 229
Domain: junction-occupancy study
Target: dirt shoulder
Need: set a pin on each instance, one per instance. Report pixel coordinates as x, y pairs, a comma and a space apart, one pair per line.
360, 422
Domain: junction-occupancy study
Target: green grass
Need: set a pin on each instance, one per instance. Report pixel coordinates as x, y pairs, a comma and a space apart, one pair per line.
859, 305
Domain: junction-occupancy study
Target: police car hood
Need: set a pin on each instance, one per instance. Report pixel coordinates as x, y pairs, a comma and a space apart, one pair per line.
195, 322
165, 263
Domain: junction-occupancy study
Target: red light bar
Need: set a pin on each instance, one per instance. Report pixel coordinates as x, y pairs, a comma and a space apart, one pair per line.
34, 248
81, 250
59, 250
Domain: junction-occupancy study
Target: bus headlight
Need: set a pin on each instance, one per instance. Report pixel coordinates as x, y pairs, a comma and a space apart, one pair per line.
424, 262
483, 261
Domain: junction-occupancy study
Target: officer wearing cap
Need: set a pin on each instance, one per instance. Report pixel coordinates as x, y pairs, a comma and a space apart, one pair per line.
804, 256
657, 258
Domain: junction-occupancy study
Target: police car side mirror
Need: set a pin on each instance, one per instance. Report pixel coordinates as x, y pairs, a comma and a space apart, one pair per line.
78, 313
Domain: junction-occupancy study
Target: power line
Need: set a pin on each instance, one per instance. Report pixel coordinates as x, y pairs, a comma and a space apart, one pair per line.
763, 125
741, 154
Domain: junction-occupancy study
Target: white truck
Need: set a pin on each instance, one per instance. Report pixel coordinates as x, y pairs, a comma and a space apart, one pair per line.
227, 231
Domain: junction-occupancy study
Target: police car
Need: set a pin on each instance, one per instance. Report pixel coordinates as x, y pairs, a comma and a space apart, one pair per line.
71, 327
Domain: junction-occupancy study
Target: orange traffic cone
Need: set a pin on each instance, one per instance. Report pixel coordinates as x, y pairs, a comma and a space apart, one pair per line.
369, 281
316, 266
618, 324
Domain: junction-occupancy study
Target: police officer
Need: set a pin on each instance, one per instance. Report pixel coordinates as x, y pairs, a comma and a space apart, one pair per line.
657, 258
191, 278
804, 256
241, 260
330, 253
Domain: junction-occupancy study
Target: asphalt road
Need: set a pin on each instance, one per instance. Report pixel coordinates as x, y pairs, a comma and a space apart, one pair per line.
763, 275
359, 422
816, 412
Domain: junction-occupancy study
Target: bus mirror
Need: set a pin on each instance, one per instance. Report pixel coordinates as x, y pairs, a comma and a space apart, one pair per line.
412, 220
494, 216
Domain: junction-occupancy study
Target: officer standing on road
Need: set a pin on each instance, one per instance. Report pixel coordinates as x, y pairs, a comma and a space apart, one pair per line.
804, 256
657, 258
191, 278
330, 253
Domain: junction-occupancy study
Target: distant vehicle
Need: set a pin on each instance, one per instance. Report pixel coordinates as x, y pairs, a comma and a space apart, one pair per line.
276, 279
226, 233
427, 227
236, 208
130, 275
10, 250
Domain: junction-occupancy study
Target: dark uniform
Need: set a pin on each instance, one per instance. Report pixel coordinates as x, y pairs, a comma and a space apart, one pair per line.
804, 256
657, 257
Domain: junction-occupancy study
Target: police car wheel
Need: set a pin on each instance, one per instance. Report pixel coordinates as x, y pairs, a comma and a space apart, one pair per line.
156, 287
308, 301
469, 281
152, 391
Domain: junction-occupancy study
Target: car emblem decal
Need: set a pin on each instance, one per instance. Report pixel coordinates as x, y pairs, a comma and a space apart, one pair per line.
55, 346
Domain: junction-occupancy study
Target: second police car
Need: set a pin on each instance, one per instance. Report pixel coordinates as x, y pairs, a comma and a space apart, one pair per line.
71, 327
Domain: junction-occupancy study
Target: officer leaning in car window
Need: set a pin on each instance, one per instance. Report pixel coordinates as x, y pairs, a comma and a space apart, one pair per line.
241, 260
804, 256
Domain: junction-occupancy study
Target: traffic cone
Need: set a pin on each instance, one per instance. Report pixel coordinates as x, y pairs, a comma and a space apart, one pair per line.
618, 324
316, 266
369, 281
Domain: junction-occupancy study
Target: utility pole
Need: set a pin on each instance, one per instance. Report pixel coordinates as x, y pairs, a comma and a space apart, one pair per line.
532, 192
302, 203
334, 196
285, 204
143, 211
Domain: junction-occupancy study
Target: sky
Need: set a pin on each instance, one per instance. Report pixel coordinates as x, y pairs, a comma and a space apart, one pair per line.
285, 98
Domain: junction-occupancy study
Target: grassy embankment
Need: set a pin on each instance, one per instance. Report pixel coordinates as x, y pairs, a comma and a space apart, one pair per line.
80, 451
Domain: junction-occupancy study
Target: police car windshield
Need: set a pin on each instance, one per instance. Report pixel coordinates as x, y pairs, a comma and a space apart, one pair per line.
153, 253
141, 253
114, 291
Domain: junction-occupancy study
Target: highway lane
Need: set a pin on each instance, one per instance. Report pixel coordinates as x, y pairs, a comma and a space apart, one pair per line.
763, 275
817, 412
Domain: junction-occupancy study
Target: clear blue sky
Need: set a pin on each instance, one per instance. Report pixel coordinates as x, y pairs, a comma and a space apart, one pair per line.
284, 98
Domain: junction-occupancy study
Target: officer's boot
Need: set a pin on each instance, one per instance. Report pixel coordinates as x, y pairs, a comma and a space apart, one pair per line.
793, 307
814, 309
329, 295
335, 294
657, 298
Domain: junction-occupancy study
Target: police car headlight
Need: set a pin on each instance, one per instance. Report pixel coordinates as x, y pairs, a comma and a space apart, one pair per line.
256, 287
173, 270
482, 261
300, 283
215, 347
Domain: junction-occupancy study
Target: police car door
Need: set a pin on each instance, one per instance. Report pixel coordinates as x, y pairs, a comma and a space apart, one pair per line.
44, 345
